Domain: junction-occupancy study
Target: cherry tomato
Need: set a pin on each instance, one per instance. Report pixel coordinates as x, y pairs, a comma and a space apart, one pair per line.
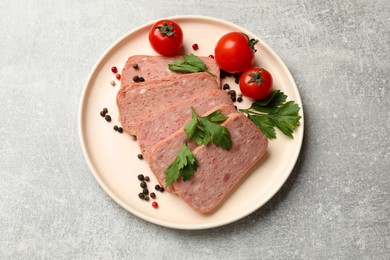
235, 52
166, 37
256, 83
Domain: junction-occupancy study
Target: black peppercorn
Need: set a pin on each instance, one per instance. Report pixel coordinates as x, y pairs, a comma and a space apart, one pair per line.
232, 93
108, 118
140, 177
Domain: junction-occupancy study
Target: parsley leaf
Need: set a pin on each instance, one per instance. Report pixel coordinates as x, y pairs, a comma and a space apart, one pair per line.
273, 112
185, 164
217, 117
201, 130
204, 129
220, 134
271, 103
191, 64
265, 125
195, 61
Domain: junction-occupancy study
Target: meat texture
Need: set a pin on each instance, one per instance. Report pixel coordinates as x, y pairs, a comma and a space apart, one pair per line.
157, 126
156, 67
164, 152
155, 95
220, 170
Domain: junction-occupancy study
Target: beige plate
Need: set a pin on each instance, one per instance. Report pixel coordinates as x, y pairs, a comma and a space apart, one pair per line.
112, 157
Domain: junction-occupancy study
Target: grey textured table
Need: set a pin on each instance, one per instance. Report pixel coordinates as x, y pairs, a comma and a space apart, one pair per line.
336, 203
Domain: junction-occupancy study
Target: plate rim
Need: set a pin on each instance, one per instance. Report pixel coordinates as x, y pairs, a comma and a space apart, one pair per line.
146, 217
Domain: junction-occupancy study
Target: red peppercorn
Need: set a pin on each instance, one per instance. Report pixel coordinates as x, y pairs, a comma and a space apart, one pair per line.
154, 204
211, 56
114, 69
195, 46
118, 76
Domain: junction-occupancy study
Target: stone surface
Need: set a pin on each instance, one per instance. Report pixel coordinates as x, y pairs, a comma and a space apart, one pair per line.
336, 203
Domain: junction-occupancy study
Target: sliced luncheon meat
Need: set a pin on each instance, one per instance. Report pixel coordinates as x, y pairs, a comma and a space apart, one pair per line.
156, 67
155, 95
220, 170
164, 152
154, 127
160, 157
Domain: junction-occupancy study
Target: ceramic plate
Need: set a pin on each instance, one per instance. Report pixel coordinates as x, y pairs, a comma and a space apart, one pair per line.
112, 157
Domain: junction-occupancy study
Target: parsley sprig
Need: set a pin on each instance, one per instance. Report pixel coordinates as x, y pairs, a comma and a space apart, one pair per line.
202, 130
191, 64
185, 164
273, 112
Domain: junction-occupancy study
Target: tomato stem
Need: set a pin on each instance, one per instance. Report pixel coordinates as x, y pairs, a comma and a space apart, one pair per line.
165, 29
256, 77
251, 42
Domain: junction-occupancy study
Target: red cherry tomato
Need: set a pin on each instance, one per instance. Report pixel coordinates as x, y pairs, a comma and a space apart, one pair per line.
235, 52
166, 37
256, 83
